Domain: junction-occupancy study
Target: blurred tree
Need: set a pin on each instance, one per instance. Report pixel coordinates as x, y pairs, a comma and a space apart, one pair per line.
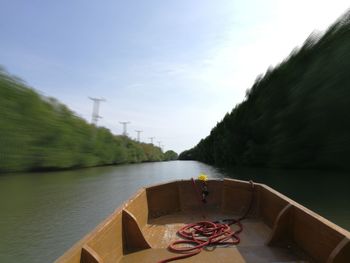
39, 133
170, 155
293, 116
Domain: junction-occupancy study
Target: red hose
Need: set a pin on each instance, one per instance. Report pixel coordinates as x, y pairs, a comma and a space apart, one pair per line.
205, 233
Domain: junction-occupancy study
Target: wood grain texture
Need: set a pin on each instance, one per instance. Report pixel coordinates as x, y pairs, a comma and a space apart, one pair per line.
88, 255
142, 228
133, 238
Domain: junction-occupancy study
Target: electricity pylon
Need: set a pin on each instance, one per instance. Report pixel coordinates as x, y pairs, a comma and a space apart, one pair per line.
95, 110
138, 135
151, 138
125, 123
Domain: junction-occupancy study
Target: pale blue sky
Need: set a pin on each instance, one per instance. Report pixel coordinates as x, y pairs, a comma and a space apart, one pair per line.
172, 68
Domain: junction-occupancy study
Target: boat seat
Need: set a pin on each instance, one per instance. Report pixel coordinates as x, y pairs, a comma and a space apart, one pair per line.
235, 254
154, 255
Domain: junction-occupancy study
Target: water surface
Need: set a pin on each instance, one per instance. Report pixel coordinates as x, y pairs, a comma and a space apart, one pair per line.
43, 214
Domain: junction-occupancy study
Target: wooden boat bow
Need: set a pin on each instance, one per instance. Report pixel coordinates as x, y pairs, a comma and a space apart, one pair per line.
277, 229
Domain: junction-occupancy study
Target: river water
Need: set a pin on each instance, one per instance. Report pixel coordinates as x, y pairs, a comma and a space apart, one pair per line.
43, 214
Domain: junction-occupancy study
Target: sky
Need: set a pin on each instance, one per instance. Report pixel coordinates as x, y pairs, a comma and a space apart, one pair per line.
171, 68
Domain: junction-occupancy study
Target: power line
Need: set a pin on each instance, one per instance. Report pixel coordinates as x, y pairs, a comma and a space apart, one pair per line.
125, 123
138, 135
151, 138
95, 110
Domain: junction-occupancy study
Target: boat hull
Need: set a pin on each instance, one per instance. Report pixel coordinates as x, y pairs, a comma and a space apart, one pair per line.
276, 229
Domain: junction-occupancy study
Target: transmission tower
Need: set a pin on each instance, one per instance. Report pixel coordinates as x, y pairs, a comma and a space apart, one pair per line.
125, 123
95, 110
159, 143
138, 135
151, 138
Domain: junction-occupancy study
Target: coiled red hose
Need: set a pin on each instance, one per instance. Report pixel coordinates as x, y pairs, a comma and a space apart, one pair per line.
205, 233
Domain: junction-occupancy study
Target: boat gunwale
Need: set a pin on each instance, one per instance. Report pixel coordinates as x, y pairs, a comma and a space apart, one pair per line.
329, 223
86, 238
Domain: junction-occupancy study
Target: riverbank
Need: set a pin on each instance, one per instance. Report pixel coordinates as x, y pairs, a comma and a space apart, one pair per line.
294, 116
40, 133
43, 214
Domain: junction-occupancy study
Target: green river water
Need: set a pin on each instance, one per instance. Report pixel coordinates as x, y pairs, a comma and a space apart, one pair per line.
43, 214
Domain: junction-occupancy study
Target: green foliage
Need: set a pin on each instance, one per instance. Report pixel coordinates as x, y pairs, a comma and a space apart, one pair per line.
39, 133
170, 155
153, 154
187, 155
293, 116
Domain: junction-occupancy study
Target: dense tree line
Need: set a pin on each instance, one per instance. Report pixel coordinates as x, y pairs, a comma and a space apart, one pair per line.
39, 133
170, 155
296, 115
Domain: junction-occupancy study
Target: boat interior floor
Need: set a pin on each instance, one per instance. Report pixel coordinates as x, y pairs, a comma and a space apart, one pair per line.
160, 232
